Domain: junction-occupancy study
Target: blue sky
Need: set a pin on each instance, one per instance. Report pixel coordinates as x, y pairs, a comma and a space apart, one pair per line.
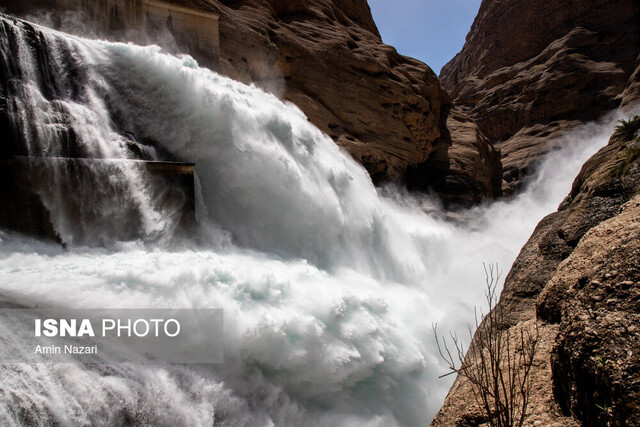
432, 31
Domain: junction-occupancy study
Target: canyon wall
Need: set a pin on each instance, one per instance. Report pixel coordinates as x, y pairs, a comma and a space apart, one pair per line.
529, 71
631, 93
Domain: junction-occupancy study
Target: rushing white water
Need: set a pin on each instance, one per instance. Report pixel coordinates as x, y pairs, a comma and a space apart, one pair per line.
329, 288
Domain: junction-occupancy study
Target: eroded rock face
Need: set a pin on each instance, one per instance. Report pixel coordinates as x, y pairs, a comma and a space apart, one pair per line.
464, 169
530, 70
597, 354
631, 94
594, 294
578, 277
387, 110
328, 59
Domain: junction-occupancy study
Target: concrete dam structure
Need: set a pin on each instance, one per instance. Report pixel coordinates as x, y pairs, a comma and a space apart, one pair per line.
142, 21
31, 188
62, 178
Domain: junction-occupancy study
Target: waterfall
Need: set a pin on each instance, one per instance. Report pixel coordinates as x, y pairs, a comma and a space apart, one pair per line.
329, 286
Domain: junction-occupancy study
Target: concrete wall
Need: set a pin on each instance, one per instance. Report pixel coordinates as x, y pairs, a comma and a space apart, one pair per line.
194, 32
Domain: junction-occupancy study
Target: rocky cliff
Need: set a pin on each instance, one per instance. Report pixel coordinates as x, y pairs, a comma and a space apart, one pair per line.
531, 70
387, 110
578, 277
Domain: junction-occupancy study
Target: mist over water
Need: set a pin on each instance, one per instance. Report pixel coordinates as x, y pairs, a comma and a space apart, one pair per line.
329, 286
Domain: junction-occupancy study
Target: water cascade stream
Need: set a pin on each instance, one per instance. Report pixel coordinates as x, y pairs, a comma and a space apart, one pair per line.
329, 286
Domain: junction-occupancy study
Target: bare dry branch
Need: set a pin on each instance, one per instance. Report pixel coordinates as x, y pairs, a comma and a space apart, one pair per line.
498, 361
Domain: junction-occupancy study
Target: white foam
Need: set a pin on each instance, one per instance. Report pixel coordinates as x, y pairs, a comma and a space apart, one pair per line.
329, 289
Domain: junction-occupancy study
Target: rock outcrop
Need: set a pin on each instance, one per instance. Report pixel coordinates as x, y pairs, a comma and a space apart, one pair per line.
578, 277
631, 94
465, 167
327, 58
531, 70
